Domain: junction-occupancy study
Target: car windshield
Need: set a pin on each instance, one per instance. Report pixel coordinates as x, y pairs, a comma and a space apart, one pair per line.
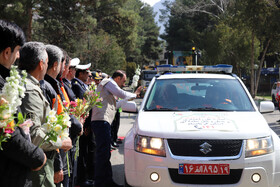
198, 94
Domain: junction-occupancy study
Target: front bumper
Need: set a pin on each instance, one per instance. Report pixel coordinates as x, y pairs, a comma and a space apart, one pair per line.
139, 167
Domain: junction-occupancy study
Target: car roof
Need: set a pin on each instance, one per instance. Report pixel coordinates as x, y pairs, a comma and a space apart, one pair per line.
195, 75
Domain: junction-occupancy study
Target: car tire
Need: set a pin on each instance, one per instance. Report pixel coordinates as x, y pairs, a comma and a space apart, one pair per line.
125, 183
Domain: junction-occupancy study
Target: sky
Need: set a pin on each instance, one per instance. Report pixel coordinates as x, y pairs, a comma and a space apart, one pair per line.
151, 2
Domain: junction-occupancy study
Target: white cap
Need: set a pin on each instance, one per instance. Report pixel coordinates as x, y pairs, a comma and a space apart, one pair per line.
74, 62
83, 67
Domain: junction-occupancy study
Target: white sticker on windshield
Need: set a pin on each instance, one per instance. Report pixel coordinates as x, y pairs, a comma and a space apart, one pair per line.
196, 122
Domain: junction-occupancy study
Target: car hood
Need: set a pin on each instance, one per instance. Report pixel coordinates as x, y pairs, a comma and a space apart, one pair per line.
202, 125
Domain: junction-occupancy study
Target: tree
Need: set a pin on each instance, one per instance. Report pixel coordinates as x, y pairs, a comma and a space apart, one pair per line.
103, 32
20, 12
261, 18
214, 8
150, 32
188, 24
147, 32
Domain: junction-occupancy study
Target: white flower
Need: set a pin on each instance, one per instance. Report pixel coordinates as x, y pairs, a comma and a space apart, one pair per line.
64, 134
66, 117
47, 127
57, 128
68, 124
135, 78
52, 113
2, 124
13, 91
52, 119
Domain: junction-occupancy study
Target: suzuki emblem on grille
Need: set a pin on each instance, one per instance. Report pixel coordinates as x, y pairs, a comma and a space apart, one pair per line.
205, 148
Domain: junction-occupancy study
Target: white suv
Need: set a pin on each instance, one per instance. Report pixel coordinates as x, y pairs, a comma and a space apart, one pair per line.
200, 129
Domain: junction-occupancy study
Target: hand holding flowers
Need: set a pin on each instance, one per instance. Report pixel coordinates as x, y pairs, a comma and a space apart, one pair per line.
10, 99
56, 127
81, 107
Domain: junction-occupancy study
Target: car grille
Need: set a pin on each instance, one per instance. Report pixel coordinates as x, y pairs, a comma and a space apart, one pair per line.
219, 148
232, 178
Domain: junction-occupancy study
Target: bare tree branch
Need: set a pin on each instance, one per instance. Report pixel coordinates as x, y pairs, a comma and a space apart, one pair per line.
202, 6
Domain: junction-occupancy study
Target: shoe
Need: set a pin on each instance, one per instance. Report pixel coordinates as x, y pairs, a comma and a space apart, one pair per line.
113, 148
278, 121
87, 183
119, 141
114, 144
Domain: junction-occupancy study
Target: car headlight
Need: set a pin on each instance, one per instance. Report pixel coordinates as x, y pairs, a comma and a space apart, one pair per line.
149, 145
259, 146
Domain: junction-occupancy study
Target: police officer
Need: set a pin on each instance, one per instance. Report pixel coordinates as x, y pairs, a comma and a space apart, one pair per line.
79, 85
68, 75
85, 173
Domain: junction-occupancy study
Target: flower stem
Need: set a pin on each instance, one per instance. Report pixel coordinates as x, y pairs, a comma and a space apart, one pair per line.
43, 140
77, 148
68, 168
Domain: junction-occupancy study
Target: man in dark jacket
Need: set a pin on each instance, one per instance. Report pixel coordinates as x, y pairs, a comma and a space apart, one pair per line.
55, 68
68, 75
85, 175
65, 81
76, 128
19, 156
79, 85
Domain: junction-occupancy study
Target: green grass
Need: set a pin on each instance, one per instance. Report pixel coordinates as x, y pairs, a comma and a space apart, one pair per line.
264, 97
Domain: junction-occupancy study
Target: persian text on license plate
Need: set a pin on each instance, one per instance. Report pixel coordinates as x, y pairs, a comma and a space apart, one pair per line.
204, 169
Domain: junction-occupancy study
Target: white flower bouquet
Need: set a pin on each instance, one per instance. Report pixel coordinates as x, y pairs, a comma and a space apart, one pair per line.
135, 78
57, 126
10, 99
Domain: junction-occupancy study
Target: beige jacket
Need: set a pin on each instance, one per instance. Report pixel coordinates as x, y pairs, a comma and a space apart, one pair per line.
108, 110
36, 107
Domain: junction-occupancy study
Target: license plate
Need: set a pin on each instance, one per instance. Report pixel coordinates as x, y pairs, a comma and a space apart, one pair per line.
204, 169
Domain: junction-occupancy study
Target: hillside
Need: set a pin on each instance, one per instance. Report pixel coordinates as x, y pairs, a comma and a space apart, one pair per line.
157, 8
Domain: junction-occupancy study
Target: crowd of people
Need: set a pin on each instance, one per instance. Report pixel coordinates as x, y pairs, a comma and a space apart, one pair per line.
53, 78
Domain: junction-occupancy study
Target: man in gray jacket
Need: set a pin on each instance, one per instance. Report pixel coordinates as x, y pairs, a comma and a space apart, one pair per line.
36, 107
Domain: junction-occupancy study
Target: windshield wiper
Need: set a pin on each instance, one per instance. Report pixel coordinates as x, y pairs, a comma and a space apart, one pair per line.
207, 109
161, 109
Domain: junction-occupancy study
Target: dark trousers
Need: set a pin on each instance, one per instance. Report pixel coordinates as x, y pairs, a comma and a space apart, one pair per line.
86, 160
103, 167
115, 127
73, 177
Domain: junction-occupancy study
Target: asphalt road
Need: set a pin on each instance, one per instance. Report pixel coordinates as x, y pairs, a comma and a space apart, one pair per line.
126, 123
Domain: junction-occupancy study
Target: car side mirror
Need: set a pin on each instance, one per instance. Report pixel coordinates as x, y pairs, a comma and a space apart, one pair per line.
129, 107
266, 107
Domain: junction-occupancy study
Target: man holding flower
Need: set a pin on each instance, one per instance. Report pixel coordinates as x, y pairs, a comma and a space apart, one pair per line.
101, 120
36, 108
19, 156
